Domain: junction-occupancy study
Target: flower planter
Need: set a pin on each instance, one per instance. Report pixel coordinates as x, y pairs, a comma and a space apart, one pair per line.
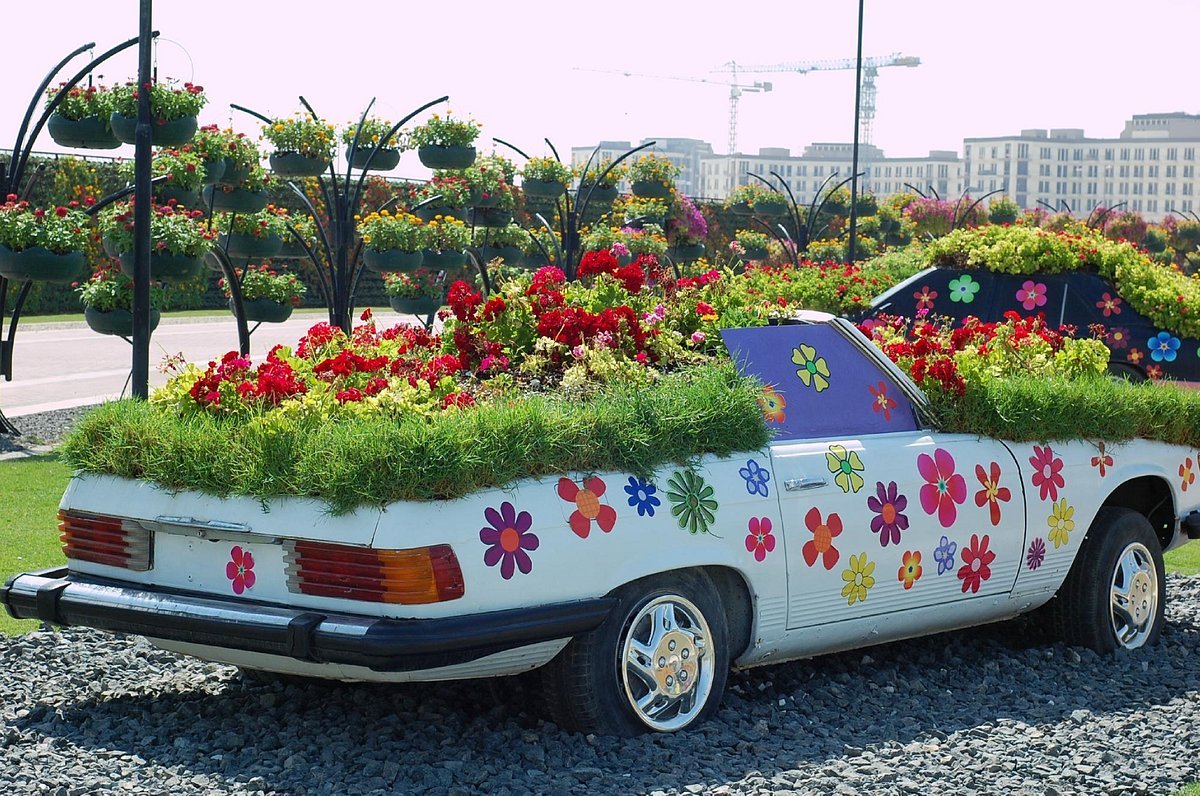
637, 222
478, 200
163, 194
430, 212
90, 133
770, 209
384, 160
233, 173
264, 310
235, 201
443, 260
250, 246
688, 253
214, 170
753, 253
166, 267
388, 260
649, 189
488, 216
446, 157
418, 305
511, 255
291, 250
293, 164
543, 189
600, 194
740, 209
40, 265
117, 322
176, 132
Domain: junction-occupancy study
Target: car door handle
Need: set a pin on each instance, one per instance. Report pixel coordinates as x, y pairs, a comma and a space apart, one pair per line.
801, 484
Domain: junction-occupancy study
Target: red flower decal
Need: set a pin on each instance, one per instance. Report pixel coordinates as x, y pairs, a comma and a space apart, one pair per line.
976, 560
760, 540
587, 505
881, 401
240, 569
822, 542
992, 493
1102, 459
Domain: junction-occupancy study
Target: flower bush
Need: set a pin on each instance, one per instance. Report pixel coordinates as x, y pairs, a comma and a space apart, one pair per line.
455, 191
653, 168
445, 131
81, 102
211, 142
422, 283
647, 240
372, 132
596, 173
635, 207
109, 288
183, 169
490, 180
510, 235
447, 233
264, 223
546, 170
686, 225
61, 229
386, 230
745, 239
166, 102
172, 230
752, 193
301, 135
264, 282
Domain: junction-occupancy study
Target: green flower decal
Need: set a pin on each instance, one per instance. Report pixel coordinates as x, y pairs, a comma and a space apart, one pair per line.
846, 465
963, 289
692, 501
813, 370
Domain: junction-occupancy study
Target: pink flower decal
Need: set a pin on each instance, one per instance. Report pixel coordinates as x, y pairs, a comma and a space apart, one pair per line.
976, 564
587, 505
1032, 295
240, 569
1047, 472
508, 538
925, 298
1109, 305
881, 401
943, 488
760, 540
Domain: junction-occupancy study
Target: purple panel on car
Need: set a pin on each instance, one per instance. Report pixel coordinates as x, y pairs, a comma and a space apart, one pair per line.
818, 384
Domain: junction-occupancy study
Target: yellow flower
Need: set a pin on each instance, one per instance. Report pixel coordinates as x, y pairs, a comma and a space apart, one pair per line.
813, 371
847, 465
859, 578
1061, 522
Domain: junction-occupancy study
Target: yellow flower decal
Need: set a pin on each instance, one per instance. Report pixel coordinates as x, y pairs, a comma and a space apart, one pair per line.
859, 577
1061, 523
813, 371
846, 465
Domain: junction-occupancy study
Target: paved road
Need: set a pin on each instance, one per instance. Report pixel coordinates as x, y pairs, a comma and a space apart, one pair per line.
57, 366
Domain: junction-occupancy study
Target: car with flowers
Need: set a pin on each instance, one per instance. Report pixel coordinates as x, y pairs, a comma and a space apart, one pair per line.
855, 521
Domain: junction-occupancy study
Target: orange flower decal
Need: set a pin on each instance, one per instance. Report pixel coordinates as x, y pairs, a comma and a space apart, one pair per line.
773, 404
822, 542
910, 568
588, 507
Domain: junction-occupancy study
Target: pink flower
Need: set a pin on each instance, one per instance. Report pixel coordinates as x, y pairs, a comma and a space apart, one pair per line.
1109, 304
240, 569
1032, 294
698, 337
1047, 472
943, 488
976, 564
619, 249
760, 540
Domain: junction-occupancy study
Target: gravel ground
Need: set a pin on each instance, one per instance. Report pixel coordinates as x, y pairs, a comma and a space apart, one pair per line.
38, 430
981, 711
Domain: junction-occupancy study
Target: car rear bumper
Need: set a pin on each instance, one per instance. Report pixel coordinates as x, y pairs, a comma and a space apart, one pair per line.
385, 645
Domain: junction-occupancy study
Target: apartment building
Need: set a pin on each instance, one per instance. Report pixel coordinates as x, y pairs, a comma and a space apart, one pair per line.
686, 153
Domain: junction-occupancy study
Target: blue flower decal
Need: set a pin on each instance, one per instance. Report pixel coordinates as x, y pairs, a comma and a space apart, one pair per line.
1163, 347
756, 478
944, 555
641, 496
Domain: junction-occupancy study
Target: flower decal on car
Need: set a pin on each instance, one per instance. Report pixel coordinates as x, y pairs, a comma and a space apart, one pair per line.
910, 568
859, 578
813, 370
760, 540
642, 496
692, 501
821, 545
588, 508
881, 402
992, 494
508, 539
1117, 338
944, 489
1032, 295
773, 403
846, 466
756, 478
889, 519
944, 555
925, 298
1047, 472
1163, 347
1036, 554
976, 566
963, 289
1136, 356
1187, 476
1109, 305
1061, 522
1102, 460
240, 569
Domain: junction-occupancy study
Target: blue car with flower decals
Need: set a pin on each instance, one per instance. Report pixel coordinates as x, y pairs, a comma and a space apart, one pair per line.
635, 593
1140, 349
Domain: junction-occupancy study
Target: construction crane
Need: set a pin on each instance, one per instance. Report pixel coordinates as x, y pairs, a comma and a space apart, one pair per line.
870, 67
735, 92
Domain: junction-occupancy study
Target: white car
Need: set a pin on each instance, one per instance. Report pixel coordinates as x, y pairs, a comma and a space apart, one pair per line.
860, 524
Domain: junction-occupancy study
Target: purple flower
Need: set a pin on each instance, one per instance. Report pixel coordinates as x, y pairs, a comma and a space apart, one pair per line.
888, 521
944, 555
508, 538
1036, 554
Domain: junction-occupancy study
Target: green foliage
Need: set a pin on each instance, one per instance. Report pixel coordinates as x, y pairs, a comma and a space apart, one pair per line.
387, 230
110, 289
266, 222
422, 283
172, 231
264, 282
445, 131
60, 229
302, 135
546, 170
1003, 210
752, 193
167, 103
183, 170
372, 132
447, 233
211, 142
28, 534
653, 168
82, 102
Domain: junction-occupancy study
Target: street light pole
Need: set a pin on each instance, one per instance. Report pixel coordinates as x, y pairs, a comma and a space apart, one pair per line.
140, 375
854, 157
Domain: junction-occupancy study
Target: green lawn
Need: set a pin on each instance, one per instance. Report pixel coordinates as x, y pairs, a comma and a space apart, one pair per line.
1190, 790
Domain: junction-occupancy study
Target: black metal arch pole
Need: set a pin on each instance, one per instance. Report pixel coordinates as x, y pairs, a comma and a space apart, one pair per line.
140, 373
852, 248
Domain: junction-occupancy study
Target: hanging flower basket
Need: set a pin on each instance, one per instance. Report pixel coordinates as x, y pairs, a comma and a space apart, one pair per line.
250, 246
600, 194
167, 267
687, 253
753, 253
233, 173
110, 247
291, 250
420, 305
488, 216
543, 189
649, 189
292, 164
430, 212
40, 265
116, 322
770, 209
214, 170
164, 193
740, 208
88, 133
176, 132
434, 156
264, 310
236, 201
388, 260
444, 260
384, 160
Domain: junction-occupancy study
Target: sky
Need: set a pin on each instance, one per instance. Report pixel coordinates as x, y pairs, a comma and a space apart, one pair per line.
528, 70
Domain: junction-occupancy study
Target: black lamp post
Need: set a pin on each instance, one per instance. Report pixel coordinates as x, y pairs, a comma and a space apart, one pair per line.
851, 250
141, 213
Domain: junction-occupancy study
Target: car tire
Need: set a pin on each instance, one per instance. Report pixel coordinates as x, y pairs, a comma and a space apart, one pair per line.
657, 664
1115, 594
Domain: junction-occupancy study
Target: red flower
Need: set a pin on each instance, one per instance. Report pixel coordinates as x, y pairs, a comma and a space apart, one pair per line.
587, 505
992, 493
240, 569
1047, 472
881, 402
1102, 459
976, 564
822, 542
760, 540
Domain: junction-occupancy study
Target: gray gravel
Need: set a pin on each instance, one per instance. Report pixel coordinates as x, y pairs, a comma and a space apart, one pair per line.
40, 430
981, 711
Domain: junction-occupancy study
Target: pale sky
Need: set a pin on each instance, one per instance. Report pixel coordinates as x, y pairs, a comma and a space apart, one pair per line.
987, 68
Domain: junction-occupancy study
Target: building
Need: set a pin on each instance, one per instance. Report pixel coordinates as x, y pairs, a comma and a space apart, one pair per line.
686, 153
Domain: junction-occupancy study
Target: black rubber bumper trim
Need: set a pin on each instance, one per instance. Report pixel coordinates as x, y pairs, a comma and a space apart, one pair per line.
381, 644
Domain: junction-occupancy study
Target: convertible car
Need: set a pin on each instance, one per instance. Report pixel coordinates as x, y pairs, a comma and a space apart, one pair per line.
859, 524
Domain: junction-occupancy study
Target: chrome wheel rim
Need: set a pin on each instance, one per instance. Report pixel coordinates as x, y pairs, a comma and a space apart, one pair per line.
1134, 596
667, 663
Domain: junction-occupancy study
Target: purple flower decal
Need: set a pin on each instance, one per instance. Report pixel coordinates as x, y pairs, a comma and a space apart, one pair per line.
888, 521
1036, 553
508, 538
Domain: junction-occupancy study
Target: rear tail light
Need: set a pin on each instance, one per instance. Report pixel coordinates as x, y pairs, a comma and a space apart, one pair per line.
408, 577
105, 540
